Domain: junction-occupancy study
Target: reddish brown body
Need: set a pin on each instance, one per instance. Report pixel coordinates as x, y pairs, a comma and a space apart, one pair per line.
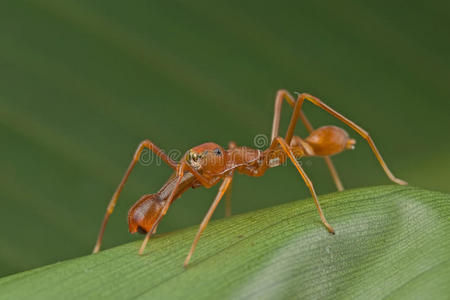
328, 140
144, 213
208, 164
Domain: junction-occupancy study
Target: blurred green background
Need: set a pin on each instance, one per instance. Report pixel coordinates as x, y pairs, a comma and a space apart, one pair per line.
83, 82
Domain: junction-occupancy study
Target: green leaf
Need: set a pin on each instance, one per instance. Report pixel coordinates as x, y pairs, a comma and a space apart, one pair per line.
390, 241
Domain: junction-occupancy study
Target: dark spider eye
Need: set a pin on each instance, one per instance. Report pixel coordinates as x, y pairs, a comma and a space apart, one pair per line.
217, 151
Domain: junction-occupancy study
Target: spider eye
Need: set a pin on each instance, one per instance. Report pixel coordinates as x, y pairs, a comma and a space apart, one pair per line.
193, 156
217, 151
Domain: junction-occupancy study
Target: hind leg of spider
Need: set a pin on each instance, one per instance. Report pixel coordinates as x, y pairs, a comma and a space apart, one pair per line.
112, 203
223, 188
305, 177
316, 101
296, 114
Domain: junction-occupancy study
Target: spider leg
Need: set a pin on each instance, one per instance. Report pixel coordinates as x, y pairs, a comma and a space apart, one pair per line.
298, 113
112, 203
231, 145
223, 188
305, 177
316, 101
228, 201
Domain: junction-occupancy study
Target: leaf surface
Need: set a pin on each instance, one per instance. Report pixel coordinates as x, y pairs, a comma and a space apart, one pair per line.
390, 242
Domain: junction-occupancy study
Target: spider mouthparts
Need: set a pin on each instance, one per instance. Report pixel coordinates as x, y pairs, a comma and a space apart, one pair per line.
350, 144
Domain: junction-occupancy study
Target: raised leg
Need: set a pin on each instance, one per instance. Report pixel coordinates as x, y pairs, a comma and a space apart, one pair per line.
305, 177
316, 101
112, 203
298, 113
223, 188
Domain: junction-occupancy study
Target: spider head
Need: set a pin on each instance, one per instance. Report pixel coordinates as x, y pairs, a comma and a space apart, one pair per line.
208, 158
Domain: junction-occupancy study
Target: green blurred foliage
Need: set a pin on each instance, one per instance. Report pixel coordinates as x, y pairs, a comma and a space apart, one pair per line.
83, 82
